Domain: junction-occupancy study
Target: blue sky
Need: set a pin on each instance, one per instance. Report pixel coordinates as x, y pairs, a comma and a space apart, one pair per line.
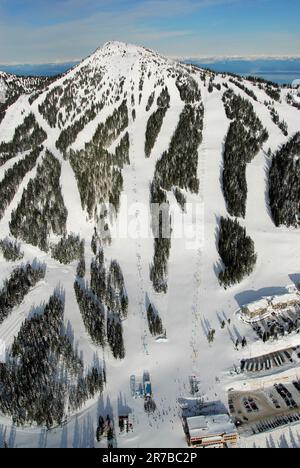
41, 31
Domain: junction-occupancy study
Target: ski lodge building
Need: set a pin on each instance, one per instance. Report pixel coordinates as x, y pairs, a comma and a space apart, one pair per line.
263, 308
216, 431
285, 301
256, 310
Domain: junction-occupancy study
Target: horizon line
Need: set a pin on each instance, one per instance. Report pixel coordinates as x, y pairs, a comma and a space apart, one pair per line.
179, 58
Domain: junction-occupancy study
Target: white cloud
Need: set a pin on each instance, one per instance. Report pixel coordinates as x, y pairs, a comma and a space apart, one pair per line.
77, 38
153, 23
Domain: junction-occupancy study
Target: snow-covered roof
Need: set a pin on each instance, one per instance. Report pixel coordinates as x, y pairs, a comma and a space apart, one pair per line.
285, 298
197, 423
269, 303
257, 305
210, 426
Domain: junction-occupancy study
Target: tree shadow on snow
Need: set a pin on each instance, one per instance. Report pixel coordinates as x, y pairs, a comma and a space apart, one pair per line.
12, 437
206, 326
123, 408
43, 438
64, 437
36, 311
219, 265
105, 408
267, 168
249, 296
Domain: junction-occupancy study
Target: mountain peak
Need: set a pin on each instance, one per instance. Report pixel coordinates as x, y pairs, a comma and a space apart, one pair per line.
117, 46
122, 58
123, 49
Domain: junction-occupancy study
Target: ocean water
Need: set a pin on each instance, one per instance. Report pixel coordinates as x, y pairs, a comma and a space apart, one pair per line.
50, 69
278, 71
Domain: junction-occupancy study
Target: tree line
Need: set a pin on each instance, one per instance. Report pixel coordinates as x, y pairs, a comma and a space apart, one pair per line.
68, 249
13, 177
177, 169
98, 172
41, 210
237, 252
104, 304
27, 136
156, 120
14, 289
11, 250
284, 184
244, 139
43, 378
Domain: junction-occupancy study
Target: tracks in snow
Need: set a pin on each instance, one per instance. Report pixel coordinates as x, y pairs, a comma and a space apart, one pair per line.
141, 292
196, 313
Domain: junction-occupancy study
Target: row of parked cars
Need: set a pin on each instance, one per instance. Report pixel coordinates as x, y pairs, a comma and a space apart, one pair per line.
277, 326
268, 361
286, 396
275, 423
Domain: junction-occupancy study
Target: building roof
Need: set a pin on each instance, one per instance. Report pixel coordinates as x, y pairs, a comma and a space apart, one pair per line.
257, 305
210, 426
285, 298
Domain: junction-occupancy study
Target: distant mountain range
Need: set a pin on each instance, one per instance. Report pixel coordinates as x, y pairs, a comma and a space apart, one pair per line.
278, 69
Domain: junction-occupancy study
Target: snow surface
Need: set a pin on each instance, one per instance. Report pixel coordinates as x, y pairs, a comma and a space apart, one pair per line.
195, 303
3, 89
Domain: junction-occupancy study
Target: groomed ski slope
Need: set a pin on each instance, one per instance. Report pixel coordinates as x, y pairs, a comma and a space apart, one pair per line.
194, 303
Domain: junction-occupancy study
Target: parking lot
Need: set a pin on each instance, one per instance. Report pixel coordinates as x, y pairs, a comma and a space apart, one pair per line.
270, 405
272, 361
278, 325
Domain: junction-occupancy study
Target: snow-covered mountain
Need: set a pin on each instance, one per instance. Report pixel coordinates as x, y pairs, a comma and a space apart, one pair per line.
26, 84
82, 159
12, 87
